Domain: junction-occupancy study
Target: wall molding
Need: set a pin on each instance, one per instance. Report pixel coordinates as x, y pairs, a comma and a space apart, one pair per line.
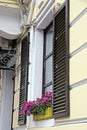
73, 121
80, 83
78, 17
78, 50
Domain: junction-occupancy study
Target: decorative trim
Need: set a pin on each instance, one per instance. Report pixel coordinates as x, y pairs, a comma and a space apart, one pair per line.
5, 58
43, 11
78, 50
75, 85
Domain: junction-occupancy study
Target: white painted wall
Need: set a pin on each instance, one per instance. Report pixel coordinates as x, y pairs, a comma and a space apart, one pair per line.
7, 98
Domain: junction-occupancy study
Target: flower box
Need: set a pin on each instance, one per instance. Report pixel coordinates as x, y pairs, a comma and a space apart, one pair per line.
47, 115
41, 108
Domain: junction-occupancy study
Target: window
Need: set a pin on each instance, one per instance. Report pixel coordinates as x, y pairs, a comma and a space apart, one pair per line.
56, 63
23, 77
48, 60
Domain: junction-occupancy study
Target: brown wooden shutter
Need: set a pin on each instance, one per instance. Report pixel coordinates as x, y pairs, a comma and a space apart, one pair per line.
61, 65
24, 77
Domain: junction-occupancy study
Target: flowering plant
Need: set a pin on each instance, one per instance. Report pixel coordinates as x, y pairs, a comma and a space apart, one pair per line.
37, 106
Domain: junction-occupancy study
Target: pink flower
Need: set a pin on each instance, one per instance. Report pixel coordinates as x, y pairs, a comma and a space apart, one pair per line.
49, 99
38, 101
21, 112
49, 94
29, 106
44, 99
28, 112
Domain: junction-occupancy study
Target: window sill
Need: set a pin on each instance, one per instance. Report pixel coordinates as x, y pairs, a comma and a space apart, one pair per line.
39, 124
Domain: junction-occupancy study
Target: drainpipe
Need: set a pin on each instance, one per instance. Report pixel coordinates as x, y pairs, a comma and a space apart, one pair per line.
31, 12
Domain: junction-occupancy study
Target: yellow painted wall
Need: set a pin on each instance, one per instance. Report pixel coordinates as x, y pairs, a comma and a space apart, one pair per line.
9, 3
15, 119
78, 67
78, 33
16, 99
78, 106
17, 82
17, 86
78, 64
76, 6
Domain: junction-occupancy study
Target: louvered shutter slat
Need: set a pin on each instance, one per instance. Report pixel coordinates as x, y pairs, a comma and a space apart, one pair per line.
60, 66
59, 60
24, 78
61, 71
61, 85
60, 101
61, 24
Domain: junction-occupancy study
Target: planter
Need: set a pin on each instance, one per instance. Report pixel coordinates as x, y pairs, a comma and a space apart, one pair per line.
48, 114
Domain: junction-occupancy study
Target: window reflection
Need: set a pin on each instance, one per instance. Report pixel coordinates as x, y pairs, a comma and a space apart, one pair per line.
48, 70
49, 41
48, 59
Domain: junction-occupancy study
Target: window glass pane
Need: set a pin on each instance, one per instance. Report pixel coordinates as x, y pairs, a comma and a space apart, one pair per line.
49, 41
48, 89
48, 70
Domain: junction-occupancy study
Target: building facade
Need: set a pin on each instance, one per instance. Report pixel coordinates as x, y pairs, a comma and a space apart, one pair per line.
50, 56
